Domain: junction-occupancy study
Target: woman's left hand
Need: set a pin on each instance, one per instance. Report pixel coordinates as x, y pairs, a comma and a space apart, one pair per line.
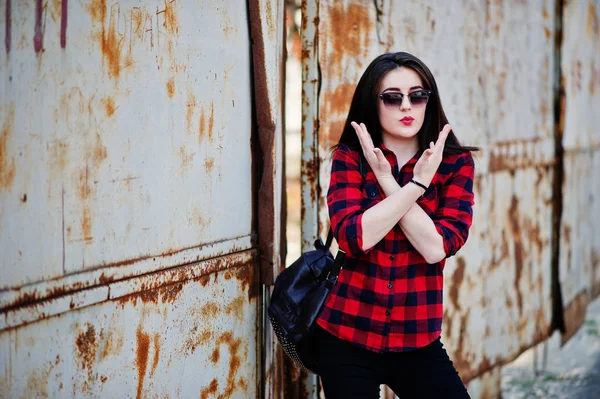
377, 161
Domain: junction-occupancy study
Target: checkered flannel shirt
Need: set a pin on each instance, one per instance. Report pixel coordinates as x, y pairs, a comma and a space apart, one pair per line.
388, 298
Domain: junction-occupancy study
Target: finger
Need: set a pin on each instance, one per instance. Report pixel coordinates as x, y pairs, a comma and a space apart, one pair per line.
441, 141
443, 135
379, 155
367, 136
359, 133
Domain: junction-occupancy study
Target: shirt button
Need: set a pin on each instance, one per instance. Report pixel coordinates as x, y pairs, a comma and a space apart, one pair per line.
391, 257
390, 285
372, 194
387, 312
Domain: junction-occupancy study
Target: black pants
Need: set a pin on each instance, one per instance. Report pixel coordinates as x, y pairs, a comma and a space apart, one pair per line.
348, 371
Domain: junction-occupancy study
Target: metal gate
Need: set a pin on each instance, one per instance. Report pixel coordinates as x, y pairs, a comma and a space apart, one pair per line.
139, 157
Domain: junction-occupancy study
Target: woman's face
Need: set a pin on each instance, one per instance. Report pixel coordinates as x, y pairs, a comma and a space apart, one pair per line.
400, 120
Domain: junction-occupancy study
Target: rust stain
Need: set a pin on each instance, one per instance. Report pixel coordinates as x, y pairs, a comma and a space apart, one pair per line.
545, 14
166, 294
171, 87
594, 81
87, 346
113, 345
514, 218
37, 382
204, 280
170, 293
548, 33
234, 361
143, 343
592, 29
100, 153
447, 323
269, 17
504, 252
349, 35
236, 307
209, 164
170, 17
201, 125
206, 124
214, 357
156, 352
86, 219
196, 339
210, 390
459, 358
7, 163
109, 105
457, 279
574, 315
247, 276
211, 121
210, 310
310, 169
189, 113
186, 158
335, 107
111, 42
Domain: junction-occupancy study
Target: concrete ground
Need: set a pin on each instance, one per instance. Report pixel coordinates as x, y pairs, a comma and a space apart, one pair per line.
572, 371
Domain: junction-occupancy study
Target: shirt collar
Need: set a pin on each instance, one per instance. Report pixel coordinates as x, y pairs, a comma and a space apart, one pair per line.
411, 161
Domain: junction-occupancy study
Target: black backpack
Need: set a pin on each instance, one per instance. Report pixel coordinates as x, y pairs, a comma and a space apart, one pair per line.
298, 297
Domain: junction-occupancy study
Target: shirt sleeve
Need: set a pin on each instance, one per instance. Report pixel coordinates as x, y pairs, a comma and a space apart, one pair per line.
344, 200
454, 215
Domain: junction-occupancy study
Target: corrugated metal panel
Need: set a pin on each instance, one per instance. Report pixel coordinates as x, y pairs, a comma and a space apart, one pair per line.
119, 142
579, 261
166, 340
494, 65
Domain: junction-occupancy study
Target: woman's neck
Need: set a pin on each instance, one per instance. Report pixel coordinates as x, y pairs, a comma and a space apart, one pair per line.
403, 148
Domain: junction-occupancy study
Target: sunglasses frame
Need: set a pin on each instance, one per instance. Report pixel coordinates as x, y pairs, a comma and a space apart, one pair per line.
386, 97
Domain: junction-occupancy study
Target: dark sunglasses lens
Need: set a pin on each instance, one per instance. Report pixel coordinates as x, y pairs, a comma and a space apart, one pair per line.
391, 100
418, 100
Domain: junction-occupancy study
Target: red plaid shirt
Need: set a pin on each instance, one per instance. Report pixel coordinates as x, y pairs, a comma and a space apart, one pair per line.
388, 298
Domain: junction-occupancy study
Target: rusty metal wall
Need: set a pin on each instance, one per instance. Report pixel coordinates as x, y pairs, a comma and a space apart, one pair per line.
157, 336
579, 261
140, 193
496, 66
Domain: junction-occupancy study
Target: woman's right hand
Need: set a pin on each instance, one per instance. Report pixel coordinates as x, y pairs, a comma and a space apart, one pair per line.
430, 160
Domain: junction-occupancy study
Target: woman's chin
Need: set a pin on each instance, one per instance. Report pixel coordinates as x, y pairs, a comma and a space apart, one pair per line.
402, 132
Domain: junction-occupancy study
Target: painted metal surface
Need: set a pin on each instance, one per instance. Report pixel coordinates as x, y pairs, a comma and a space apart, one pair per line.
579, 262
117, 146
495, 65
164, 341
141, 157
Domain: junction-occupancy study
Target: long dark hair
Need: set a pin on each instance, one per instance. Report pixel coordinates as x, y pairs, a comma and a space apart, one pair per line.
364, 105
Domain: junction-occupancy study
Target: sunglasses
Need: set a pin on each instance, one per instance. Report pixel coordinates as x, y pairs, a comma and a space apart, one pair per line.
417, 98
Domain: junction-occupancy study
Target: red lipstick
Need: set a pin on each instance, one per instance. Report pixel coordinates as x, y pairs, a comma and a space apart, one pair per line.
407, 120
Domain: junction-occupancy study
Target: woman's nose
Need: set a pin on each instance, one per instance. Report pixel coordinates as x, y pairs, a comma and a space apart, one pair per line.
405, 105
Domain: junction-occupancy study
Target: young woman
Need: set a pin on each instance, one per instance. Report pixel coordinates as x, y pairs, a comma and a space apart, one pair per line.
382, 322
